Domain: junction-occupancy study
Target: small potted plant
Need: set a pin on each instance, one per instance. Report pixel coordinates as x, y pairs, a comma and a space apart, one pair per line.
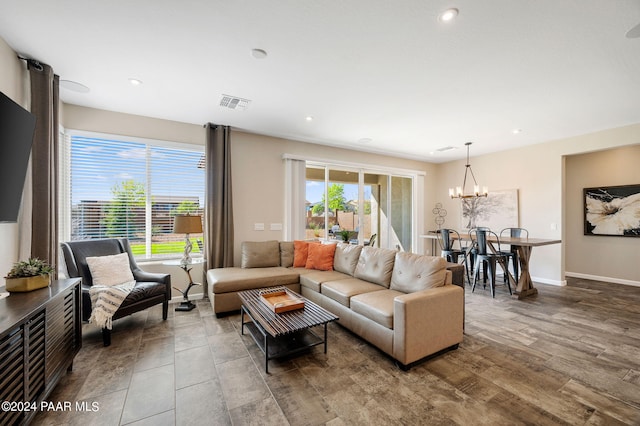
28, 275
345, 234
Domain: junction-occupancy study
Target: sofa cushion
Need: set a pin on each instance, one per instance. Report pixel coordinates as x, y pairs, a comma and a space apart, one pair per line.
414, 272
346, 258
260, 254
301, 252
286, 254
320, 257
375, 265
313, 279
301, 271
226, 280
342, 290
376, 305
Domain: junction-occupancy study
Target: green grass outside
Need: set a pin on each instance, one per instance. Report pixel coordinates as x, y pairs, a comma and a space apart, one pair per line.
138, 249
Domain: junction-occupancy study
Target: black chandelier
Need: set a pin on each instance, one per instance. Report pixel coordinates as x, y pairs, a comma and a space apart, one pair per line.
459, 191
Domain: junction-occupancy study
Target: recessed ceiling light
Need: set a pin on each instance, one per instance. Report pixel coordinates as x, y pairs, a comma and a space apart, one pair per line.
135, 82
516, 131
308, 118
448, 15
258, 53
74, 86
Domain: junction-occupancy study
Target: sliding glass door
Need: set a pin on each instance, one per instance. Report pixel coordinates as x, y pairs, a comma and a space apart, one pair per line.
363, 207
401, 223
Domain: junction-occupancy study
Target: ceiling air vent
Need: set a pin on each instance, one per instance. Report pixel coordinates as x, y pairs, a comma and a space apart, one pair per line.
234, 102
446, 148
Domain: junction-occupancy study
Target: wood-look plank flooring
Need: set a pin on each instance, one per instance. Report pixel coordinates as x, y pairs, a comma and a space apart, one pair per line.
568, 356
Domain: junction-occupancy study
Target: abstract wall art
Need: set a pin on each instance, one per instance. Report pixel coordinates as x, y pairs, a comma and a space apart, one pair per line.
612, 211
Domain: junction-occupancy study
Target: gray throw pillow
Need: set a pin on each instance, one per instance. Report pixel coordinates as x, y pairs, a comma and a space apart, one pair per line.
414, 272
375, 265
260, 254
346, 258
286, 253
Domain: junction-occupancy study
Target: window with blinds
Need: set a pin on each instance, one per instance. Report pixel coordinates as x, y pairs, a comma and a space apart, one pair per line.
133, 189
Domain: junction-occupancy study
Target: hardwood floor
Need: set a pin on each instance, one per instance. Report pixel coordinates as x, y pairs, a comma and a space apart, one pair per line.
569, 355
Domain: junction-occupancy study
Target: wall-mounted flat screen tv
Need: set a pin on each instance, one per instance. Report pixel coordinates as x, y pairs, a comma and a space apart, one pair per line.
16, 136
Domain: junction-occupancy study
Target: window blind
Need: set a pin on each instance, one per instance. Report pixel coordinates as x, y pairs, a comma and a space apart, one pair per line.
129, 189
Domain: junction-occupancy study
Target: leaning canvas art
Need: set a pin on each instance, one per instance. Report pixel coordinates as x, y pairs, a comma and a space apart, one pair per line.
612, 210
497, 211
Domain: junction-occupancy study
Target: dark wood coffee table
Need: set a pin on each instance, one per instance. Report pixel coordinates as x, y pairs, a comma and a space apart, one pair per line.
286, 333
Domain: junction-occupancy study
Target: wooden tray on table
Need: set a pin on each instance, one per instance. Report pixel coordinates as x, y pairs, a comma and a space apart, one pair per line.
281, 300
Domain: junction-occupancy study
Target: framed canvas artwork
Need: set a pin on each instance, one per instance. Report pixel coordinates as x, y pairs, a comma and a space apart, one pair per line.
612, 211
497, 211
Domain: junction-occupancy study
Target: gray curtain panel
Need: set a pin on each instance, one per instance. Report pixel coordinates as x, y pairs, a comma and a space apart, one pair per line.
218, 198
44, 162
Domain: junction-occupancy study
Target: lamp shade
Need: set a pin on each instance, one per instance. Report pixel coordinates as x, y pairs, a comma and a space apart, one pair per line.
187, 224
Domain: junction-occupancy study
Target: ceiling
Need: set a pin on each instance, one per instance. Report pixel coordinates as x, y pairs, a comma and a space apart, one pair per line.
375, 75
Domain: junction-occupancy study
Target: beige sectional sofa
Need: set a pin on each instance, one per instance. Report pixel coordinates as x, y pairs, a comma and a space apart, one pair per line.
403, 303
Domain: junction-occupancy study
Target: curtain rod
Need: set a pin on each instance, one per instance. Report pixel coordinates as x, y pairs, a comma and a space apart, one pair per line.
34, 63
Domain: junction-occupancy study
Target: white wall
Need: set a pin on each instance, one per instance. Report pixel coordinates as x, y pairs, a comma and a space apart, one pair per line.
13, 83
537, 171
101, 121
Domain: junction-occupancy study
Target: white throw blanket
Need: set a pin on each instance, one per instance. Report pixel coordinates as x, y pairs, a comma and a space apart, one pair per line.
106, 300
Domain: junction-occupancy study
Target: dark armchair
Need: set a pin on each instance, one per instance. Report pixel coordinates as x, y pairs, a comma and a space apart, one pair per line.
150, 288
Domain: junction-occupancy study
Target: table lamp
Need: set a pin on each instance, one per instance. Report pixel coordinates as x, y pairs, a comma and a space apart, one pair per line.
187, 224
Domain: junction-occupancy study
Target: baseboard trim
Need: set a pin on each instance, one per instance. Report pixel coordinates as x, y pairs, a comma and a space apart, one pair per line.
194, 296
605, 279
559, 283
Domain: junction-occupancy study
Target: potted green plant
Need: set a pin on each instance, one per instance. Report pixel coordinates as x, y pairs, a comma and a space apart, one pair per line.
344, 234
28, 275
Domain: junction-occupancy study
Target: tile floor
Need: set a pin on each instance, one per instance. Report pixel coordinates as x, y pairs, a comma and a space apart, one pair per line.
566, 356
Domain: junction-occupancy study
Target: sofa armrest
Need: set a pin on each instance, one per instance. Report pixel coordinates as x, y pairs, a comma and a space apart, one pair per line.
426, 322
448, 278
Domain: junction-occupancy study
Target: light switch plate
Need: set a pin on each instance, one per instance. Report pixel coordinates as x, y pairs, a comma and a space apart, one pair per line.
258, 226
276, 227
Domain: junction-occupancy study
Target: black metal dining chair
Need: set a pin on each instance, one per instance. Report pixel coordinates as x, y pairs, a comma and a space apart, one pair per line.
512, 251
473, 252
447, 239
486, 256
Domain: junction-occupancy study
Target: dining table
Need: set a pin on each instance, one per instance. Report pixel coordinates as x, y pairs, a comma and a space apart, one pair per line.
524, 246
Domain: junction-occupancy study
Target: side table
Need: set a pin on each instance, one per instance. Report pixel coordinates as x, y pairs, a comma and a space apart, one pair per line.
186, 304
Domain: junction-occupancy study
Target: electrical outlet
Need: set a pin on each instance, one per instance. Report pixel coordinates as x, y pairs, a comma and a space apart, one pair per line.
258, 226
276, 227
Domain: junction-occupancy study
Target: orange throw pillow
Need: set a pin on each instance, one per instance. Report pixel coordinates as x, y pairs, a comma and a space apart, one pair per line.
300, 253
321, 257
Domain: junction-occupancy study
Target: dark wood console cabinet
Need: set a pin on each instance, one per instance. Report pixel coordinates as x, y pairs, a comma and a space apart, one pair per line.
40, 334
